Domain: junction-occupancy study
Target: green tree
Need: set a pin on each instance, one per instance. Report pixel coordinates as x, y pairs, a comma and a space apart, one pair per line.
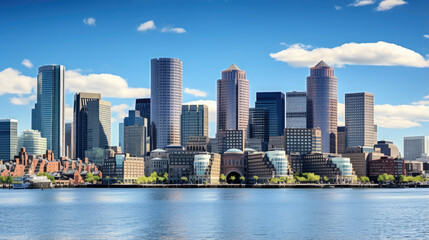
222, 177
364, 179
184, 179
9, 179
385, 177
256, 178
325, 179
232, 178
48, 176
242, 179
166, 177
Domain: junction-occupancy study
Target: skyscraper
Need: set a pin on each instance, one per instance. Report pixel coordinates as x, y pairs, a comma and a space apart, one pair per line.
48, 113
274, 103
258, 124
194, 122
33, 142
166, 101
80, 122
322, 104
121, 135
143, 106
8, 138
69, 140
360, 120
99, 124
232, 100
136, 141
415, 147
296, 109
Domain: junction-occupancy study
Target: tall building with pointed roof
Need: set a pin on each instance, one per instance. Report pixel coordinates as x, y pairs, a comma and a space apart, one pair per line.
322, 104
232, 100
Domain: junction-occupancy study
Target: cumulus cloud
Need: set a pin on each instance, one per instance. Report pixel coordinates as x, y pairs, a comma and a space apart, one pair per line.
149, 25
68, 113
89, 21
360, 3
119, 112
21, 100
401, 116
27, 63
172, 30
337, 7
389, 4
108, 85
426, 36
341, 108
211, 105
195, 92
13, 82
379, 54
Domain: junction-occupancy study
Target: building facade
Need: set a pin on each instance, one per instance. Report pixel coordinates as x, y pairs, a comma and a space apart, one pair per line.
359, 116
8, 138
415, 147
230, 139
322, 104
48, 113
136, 140
69, 140
389, 165
388, 148
274, 103
207, 168
80, 122
341, 139
194, 122
234, 164
296, 109
258, 124
232, 100
157, 161
99, 124
33, 142
303, 141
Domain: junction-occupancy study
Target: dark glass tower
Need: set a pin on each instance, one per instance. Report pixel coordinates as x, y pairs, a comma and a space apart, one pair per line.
274, 103
322, 104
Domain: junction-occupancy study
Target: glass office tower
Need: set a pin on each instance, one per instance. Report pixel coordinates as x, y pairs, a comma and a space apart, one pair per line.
48, 113
274, 103
8, 138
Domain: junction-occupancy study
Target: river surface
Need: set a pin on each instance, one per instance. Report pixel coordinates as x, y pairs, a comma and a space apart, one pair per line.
214, 214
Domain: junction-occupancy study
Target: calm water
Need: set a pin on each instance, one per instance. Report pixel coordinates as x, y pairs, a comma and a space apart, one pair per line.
215, 213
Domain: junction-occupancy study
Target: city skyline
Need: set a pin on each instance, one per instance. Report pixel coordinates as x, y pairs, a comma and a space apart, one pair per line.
398, 111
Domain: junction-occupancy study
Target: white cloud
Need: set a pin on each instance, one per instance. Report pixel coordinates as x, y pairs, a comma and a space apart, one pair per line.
389, 4
211, 105
68, 112
20, 100
360, 3
341, 108
120, 112
426, 97
89, 21
401, 116
173, 30
337, 7
13, 82
27, 63
195, 92
108, 85
379, 54
149, 25
426, 36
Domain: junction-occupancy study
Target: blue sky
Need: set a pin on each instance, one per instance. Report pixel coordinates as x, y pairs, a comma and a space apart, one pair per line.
102, 49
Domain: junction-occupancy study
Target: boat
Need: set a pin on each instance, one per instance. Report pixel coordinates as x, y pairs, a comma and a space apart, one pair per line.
21, 183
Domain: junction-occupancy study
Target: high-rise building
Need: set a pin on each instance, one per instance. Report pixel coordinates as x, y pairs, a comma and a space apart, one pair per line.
296, 109
194, 122
136, 141
33, 142
415, 147
322, 104
68, 140
258, 124
360, 120
230, 139
388, 148
99, 124
166, 101
48, 113
274, 103
80, 122
8, 138
121, 135
143, 106
232, 100
341, 139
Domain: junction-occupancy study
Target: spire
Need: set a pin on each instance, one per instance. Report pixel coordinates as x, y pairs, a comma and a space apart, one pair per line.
322, 64
233, 67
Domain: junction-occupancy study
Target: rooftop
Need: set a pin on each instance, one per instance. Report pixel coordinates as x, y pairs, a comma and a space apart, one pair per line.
233, 67
322, 64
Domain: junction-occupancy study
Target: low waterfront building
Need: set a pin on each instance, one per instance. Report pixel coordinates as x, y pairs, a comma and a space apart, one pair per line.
360, 156
207, 168
268, 165
414, 168
124, 168
389, 165
180, 164
157, 161
233, 164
